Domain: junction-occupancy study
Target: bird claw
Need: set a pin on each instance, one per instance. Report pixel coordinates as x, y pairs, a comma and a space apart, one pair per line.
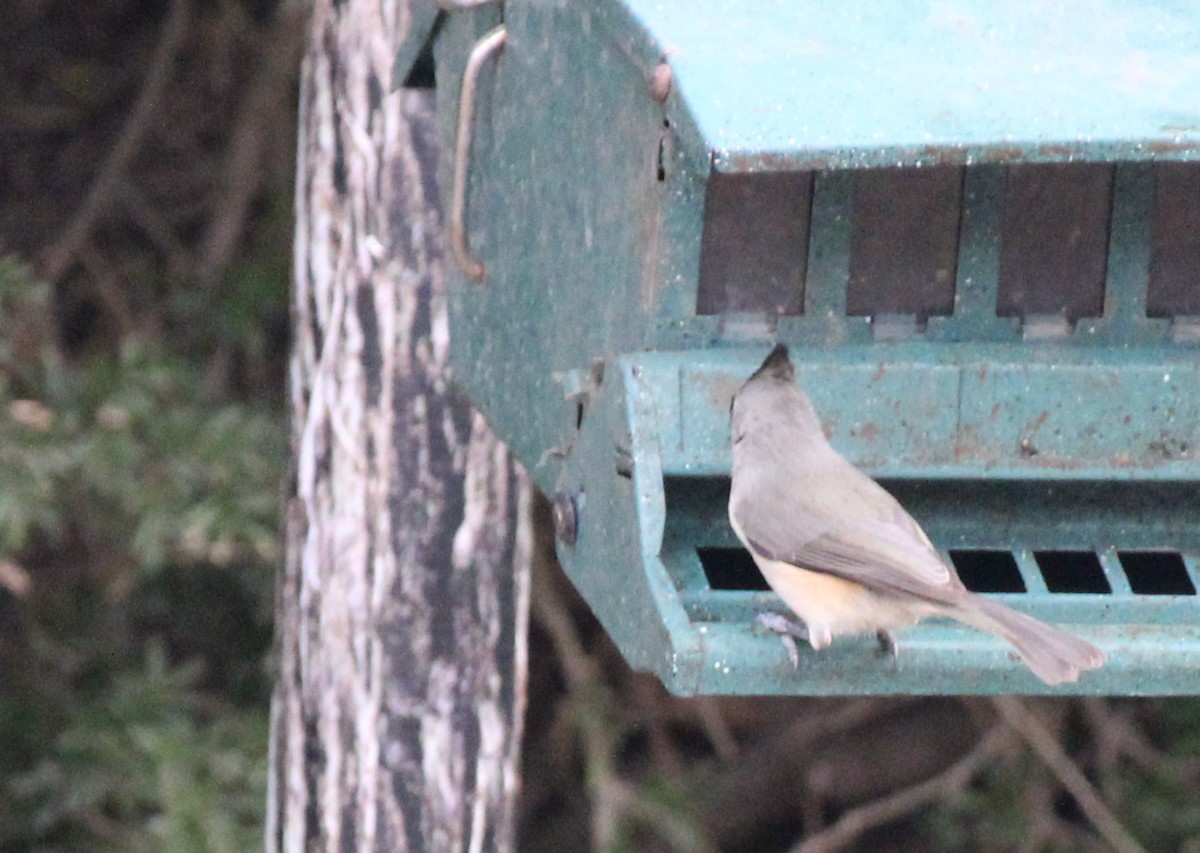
788, 632
887, 643
777, 623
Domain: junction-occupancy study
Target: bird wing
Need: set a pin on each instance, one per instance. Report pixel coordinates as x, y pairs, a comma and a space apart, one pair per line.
879, 553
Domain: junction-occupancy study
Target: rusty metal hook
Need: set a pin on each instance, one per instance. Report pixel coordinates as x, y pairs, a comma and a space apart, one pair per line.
484, 49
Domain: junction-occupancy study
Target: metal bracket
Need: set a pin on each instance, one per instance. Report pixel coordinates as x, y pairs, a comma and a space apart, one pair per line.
484, 49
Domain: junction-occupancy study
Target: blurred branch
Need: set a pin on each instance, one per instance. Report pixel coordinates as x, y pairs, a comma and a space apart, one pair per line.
946, 784
61, 254
1117, 737
613, 800
583, 677
106, 282
680, 833
716, 728
244, 170
801, 763
156, 226
1026, 724
1043, 824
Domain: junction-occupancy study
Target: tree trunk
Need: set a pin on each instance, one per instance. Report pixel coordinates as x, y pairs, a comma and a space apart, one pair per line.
402, 606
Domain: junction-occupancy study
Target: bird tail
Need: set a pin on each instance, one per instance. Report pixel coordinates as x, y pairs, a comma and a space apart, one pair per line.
1052, 654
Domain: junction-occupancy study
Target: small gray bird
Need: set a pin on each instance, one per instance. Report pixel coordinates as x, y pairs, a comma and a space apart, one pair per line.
839, 550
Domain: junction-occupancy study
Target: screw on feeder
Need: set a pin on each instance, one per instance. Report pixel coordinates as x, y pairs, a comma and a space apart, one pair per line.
566, 517
660, 83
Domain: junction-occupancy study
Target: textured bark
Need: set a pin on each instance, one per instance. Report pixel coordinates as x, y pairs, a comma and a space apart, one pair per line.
402, 606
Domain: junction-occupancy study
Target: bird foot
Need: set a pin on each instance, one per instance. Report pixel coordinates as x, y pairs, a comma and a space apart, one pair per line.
788, 631
888, 644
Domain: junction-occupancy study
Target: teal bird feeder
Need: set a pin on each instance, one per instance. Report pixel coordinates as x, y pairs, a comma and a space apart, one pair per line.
977, 227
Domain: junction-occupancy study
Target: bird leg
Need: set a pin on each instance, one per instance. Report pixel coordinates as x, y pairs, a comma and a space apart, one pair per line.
787, 630
777, 623
887, 643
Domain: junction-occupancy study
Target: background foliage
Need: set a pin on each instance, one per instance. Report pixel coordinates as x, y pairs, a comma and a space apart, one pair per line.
145, 196
142, 439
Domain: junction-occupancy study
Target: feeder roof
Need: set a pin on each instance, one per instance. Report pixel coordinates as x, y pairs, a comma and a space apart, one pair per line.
868, 83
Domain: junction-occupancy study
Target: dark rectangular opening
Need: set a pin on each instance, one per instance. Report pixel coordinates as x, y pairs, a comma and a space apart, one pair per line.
1156, 573
731, 568
1054, 249
754, 253
988, 571
1072, 571
904, 248
1175, 243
